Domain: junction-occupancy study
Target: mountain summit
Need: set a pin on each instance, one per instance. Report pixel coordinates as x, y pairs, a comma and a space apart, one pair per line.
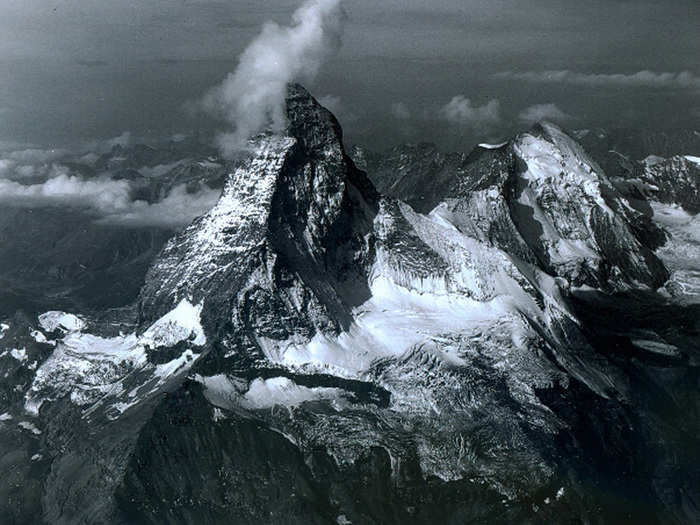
310, 351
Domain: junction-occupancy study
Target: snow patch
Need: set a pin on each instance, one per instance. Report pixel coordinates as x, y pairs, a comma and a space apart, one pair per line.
694, 160
217, 415
394, 320
19, 354
39, 337
492, 146
181, 324
267, 393
177, 365
63, 321
31, 427
90, 368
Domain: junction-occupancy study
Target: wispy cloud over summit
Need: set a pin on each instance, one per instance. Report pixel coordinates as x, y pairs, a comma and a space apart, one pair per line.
252, 97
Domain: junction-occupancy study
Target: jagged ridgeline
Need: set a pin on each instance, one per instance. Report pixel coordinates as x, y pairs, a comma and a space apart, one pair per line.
312, 350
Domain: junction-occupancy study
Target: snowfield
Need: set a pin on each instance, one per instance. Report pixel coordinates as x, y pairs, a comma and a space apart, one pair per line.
93, 369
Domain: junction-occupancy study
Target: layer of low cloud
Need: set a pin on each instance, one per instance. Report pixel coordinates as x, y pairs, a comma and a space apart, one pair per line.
462, 112
649, 79
539, 112
102, 194
252, 97
179, 208
111, 200
34, 178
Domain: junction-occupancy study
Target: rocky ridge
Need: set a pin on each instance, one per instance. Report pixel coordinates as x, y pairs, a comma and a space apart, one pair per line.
384, 365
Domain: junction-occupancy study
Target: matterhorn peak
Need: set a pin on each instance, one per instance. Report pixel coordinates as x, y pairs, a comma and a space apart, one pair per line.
297, 203
314, 126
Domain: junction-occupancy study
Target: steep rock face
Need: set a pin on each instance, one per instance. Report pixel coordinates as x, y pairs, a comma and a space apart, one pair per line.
675, 180
314, 290
586, 225
298, 210
542, 199
610, 146
415, 173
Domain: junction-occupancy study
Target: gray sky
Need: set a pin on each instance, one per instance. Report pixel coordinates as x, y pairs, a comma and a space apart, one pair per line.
77, 70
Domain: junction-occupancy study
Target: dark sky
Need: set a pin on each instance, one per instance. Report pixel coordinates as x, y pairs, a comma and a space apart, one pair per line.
78, 70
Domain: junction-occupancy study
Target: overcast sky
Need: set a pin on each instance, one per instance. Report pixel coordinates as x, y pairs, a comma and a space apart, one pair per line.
451, 71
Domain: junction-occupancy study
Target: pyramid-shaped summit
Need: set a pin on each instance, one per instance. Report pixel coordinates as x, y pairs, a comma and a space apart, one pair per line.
291, 224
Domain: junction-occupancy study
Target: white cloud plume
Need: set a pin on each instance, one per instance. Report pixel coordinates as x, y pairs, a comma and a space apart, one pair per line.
462, 112
540, 112
651, 79
252, 97
400, 111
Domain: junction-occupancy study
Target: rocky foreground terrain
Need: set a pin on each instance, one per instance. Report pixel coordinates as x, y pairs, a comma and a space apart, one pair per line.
504, 336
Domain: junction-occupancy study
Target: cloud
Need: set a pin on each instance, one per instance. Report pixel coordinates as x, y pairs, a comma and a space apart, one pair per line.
179, 208
462, 112
651, 79
101, 194
12, 169
540, 112
400, 111
110, 200
252, 97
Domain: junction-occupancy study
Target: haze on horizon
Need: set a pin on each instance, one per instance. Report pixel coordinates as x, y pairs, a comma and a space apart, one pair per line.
452, 71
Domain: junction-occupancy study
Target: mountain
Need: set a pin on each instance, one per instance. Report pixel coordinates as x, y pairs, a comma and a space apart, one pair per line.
674, 181
313, 351
540, 197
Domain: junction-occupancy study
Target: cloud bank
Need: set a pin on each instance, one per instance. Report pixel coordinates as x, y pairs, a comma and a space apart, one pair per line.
179, 208
252, 97
540, 112
650, 79
101, 194
462, 112
111, 200
30, 178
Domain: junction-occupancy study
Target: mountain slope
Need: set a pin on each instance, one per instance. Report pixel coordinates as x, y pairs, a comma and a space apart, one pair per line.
309, 351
